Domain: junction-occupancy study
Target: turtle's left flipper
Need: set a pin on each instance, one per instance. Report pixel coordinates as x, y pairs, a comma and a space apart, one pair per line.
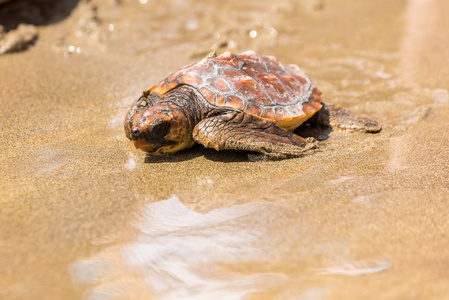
240, 131
337, 117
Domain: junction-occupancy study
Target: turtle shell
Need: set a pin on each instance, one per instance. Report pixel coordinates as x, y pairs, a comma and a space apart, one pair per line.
258, 85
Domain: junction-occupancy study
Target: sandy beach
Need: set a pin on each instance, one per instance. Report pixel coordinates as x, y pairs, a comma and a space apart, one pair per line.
85, 215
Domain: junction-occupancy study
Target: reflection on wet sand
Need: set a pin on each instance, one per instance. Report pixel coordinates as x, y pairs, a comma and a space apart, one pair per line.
356, 268
176, 255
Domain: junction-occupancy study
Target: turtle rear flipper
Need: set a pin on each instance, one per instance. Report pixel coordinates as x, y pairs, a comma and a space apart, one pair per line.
240, 131
337, 117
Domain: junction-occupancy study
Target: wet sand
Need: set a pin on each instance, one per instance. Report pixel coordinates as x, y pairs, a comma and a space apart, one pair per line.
85, 215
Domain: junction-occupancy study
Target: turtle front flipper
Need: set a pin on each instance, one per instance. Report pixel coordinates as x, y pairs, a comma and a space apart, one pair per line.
337, 117
240, 131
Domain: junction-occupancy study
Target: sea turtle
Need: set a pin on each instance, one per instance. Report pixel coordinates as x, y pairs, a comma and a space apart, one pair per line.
240, 102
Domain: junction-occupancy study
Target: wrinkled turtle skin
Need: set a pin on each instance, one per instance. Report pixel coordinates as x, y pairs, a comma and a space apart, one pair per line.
236, 102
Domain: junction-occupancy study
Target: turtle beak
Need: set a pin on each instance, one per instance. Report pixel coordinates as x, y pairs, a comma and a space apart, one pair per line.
143, 145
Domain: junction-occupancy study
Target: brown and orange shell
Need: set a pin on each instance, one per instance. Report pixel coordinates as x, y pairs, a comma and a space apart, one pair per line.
258, 85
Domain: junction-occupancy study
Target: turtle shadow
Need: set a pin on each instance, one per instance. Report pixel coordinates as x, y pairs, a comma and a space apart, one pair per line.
227, 156
317, 132
200, 151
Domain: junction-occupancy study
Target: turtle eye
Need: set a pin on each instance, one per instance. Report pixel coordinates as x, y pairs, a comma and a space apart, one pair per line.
143, 103
161, 130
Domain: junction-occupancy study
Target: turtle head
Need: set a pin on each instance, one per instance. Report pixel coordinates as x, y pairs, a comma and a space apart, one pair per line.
159, 129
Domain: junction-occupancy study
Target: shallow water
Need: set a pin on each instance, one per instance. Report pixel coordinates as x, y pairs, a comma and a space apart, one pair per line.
85, 215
